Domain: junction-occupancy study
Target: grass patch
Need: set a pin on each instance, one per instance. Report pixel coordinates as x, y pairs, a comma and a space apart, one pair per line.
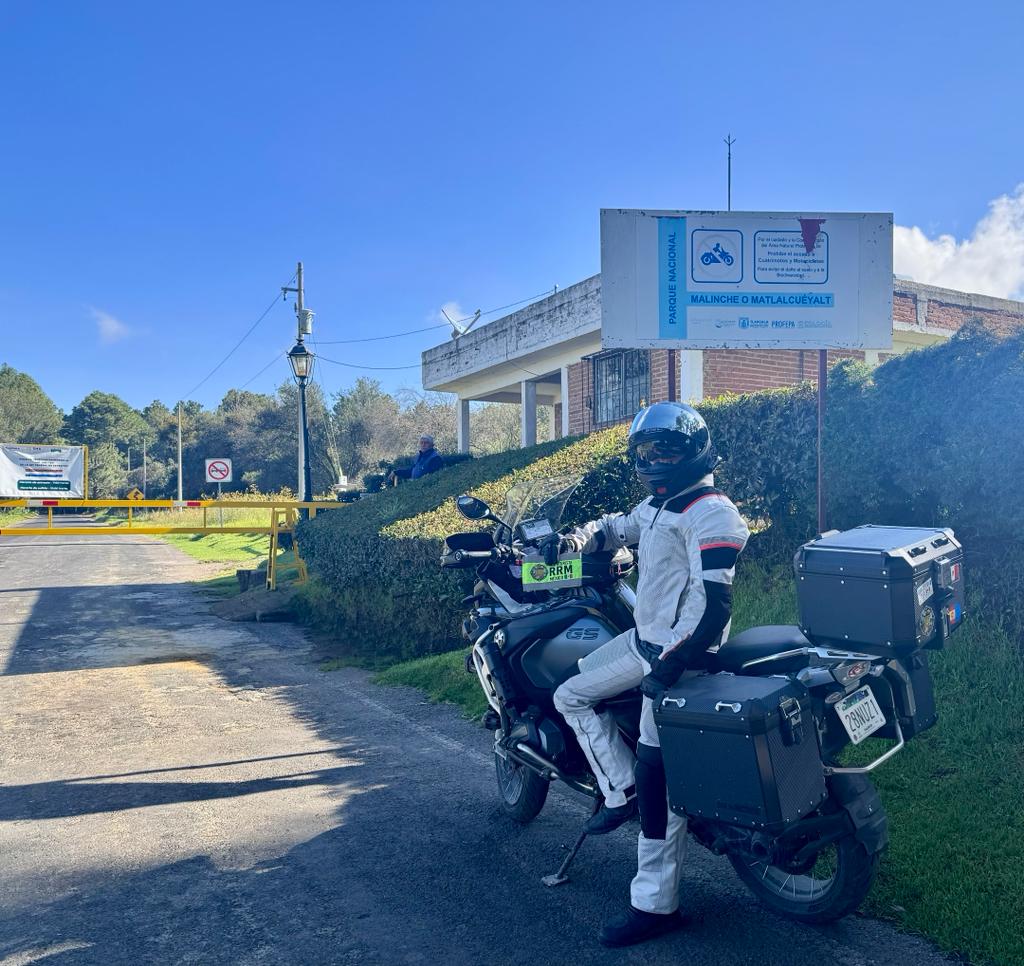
442, 677
220, 587
221, 547
14, 514
953, 795
237, 548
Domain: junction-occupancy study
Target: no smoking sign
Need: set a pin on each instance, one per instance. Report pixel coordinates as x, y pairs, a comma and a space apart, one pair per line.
218, 471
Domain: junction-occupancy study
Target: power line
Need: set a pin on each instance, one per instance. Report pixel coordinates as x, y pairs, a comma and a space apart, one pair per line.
332, 441
512, 305
378, 338
353, 365
277, 356
249, 331
441, 325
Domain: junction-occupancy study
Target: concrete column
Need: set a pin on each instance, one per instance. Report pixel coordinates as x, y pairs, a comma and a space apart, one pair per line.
691, 375
528, 423
462, 425
565, 400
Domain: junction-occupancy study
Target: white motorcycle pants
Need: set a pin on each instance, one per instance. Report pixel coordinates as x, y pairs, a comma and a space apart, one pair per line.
611, 669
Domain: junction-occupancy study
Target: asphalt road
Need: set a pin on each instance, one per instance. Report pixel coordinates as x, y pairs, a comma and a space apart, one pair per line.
178, 789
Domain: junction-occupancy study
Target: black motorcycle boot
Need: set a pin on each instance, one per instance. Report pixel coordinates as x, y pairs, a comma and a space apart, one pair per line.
608, 818
636, 926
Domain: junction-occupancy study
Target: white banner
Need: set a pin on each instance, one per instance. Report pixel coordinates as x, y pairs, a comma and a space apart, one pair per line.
29, 471
746, 279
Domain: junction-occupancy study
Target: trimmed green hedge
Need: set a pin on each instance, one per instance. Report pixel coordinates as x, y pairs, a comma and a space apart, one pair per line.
936, 438
377, 586
933, 438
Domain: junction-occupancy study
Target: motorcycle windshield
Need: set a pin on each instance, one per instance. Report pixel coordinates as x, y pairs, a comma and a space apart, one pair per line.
539, 499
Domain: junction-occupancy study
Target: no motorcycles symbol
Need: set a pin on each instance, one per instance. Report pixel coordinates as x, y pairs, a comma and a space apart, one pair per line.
218, 471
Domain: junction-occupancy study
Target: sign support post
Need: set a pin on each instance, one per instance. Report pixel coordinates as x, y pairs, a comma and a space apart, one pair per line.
822, 393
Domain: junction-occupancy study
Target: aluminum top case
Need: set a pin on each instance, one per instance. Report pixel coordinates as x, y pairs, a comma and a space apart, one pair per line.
881, 589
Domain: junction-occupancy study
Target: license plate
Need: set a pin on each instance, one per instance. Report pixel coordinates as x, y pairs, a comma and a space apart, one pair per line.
860, 714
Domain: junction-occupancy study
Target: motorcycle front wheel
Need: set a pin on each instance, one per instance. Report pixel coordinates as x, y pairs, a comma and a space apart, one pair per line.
523, 792
836, 884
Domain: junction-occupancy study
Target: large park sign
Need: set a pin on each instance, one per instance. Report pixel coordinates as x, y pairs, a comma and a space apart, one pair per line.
28, 471
765, 280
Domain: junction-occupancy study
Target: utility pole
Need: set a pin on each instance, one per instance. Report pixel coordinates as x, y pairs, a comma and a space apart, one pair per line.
301, 360
303, 455
180, 497
143, 467
729, 142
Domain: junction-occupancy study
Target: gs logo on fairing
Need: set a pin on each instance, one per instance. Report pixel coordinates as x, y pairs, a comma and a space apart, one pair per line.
582, 633
538, 571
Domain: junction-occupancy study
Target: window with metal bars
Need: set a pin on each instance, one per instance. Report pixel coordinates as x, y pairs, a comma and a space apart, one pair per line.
621, 383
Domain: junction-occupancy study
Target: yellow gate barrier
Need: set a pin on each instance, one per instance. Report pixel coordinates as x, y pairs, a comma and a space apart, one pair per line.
284, 515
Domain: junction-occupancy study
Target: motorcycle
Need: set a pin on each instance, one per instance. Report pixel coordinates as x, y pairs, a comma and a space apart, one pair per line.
717, 255
536, 613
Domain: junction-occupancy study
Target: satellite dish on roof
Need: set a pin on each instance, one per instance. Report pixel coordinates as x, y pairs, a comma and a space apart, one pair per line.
461, 326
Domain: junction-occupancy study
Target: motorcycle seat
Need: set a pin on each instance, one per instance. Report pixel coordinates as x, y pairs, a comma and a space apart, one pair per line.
757, 642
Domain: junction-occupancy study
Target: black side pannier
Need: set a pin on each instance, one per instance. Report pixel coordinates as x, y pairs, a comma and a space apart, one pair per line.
743, 750
883, 589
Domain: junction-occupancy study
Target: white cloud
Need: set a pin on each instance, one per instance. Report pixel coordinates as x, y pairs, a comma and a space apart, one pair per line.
453, 312
452, 309
109, 328
990, 262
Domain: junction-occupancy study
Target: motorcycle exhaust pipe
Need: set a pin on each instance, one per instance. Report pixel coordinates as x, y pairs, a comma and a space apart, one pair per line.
760, 847
529, 758
538, 763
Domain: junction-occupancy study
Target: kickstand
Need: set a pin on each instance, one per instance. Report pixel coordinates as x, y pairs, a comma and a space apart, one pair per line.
561, 876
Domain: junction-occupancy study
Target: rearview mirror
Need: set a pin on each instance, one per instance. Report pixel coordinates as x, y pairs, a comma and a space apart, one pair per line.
472, 508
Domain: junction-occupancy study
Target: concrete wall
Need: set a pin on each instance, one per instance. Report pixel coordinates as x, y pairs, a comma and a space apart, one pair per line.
541, 329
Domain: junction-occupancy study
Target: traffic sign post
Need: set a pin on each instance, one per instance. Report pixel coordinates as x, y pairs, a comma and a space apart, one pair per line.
219, 471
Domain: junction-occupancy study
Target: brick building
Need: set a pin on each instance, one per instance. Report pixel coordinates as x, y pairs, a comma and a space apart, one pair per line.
549, 353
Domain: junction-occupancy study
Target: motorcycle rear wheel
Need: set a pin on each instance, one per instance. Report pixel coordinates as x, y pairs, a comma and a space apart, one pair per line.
523, 792
833, 888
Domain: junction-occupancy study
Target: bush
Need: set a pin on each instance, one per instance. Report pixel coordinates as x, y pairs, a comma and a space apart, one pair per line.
377, 585
933, 438
936, 438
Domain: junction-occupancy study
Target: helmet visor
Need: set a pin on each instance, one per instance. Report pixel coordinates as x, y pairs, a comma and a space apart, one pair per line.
663, 451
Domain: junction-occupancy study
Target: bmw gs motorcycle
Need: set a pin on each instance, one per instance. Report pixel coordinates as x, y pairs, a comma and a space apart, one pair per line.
802, 826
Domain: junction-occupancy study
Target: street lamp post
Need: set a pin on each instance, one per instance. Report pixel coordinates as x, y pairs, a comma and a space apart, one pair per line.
301, 360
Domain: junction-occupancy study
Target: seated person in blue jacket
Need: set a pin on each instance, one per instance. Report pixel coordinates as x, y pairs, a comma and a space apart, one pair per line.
428, 460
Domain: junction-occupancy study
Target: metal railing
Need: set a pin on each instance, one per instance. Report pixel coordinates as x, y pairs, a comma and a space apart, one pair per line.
284, 517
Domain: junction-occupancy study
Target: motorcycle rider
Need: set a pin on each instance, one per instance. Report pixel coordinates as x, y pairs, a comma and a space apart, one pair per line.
689, 536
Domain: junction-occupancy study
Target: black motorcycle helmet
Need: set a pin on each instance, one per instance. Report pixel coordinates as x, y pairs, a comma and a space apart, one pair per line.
673, 430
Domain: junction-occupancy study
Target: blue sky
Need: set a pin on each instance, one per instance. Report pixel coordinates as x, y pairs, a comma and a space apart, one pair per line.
165, 165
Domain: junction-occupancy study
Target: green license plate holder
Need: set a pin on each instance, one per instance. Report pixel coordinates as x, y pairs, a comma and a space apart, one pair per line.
568, 572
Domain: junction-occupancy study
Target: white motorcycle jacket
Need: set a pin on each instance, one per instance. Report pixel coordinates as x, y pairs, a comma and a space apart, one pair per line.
688, 545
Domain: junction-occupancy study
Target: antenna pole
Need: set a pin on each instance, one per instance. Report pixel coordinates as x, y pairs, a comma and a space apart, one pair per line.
729, 142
